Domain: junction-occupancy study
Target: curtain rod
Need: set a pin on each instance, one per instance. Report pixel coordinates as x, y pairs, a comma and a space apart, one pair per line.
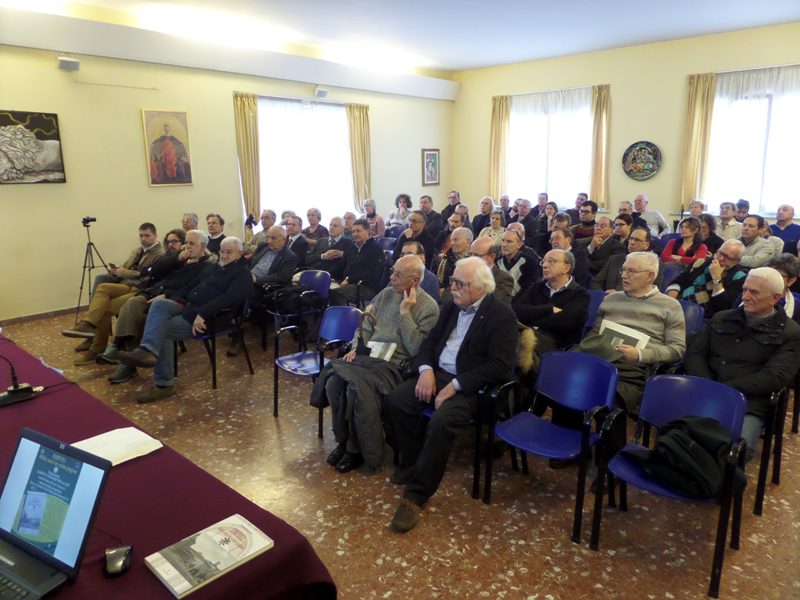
294, 99
758, 68
567, 89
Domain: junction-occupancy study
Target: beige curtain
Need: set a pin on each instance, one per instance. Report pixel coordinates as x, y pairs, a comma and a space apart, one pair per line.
358, 124
702, 88
601, 104
498, 169
245, 110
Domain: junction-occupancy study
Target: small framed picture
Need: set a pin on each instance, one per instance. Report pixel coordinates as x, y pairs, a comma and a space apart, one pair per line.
430, 166
166, 145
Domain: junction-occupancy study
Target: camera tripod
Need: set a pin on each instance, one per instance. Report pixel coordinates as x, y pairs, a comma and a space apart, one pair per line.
88, 266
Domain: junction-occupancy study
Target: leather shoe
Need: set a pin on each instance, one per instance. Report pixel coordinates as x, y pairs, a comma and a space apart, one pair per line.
155, 393
235, 347
407, 515
402, 475
87, 358
336, 455
141, 357
84, 345
566, 463
122, 374
349, 462
83, 329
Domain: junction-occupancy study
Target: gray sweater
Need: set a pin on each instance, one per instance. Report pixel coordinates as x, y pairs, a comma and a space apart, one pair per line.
407, 331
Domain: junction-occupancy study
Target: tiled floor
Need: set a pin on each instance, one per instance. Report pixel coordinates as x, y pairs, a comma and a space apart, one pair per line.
518, 547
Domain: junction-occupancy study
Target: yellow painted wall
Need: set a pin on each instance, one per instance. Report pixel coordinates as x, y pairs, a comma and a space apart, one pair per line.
648, 101
99, 111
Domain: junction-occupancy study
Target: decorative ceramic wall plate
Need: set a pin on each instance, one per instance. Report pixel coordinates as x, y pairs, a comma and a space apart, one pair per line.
641, 160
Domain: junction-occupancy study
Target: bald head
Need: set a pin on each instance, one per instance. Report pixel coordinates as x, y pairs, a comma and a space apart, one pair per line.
276, 238
485, 249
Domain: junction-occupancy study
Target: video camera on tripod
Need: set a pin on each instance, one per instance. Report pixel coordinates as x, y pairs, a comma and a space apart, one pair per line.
88, 260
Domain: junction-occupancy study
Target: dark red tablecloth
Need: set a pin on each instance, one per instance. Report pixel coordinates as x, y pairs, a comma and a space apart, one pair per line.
152, 502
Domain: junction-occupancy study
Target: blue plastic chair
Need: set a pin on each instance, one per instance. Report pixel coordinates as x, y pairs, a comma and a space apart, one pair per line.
694, 316
339, 324
387, 243
669, 397
319, 285
596, 298
671, 273
575, 380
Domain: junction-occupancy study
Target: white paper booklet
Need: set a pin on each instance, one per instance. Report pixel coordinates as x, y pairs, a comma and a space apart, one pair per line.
119, 445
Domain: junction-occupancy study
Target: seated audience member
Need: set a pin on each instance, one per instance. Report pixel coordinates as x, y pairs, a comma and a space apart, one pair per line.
453, 200
518, 260
285, 215
215, 225
715, 283
541, 203
108, 298
273, 263
562, 239
742, 210
141, 257
460, 241
728, 228
433, 220
349, 219
268, 219
463, 210
330, 253
622, 229
376, 225
754, 348
355, 384
314, 232
757, 250
364, 265
556, 305
626, 208
429, 282
783, 227
189, 266
189, 221
485, 249
550, 211
415, 232
708, 233
398, 217
296, 241
655, 220
586, 214
226, 285
696, 208
473, 344
484, 217
513, 213
505, 201
529, 221
442, 242
497, 225
601, 246
689, 248
788, 267
610, 277
766, 233
574, 213
561, 220
643, 308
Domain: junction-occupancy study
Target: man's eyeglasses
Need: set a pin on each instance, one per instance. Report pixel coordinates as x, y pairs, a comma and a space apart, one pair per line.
458, 284
174, 241
549, 261
624, 271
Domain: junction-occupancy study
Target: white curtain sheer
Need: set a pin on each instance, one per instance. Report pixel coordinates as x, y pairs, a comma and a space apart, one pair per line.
304, 151
754, 131
550, 144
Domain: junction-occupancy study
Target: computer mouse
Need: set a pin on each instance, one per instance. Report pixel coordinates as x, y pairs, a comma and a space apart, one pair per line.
118, 560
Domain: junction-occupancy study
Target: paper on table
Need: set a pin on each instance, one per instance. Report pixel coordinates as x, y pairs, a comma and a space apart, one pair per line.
120, 445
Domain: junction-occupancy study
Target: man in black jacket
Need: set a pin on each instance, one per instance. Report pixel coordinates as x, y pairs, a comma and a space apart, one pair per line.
433, 220
416, 232
330, 253
227, 285
273, 263
365, 264
754, 348
473, 343
601, 246
297, 242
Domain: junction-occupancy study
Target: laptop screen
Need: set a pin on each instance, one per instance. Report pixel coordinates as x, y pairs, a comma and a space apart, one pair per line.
50, 496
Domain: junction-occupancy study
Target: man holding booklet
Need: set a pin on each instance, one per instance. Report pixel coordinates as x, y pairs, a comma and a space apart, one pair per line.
637, 328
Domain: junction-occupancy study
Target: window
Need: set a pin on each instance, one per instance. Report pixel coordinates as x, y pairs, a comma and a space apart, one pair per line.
304, 157
755, 126
550, 144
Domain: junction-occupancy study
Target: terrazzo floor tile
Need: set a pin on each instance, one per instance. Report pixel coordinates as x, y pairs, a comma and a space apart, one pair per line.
516, 548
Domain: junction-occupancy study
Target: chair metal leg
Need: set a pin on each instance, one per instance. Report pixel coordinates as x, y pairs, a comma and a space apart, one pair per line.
623, 495
247, 354
597, 513
763, 469
476, 461
722, 533
612, 490
319, 424
736, 525
175, 358
579, 495
780, 425
514, 463
796, 406
487, 484
211, 350
275, 381
524, 461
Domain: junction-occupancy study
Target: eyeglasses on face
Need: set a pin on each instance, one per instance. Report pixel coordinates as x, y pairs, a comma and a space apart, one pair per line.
624, 271
458, 283
174, 241
549, 261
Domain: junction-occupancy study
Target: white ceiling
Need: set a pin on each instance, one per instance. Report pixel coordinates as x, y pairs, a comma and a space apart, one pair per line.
464, 34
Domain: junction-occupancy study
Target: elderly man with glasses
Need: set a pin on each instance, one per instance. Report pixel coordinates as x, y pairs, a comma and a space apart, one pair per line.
415, 232
637, 328
609, 278
485, 249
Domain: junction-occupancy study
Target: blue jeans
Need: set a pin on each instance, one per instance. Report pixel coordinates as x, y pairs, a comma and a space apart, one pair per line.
751, 431
165, 324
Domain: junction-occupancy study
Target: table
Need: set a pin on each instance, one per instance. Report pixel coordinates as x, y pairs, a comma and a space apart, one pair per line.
152, 502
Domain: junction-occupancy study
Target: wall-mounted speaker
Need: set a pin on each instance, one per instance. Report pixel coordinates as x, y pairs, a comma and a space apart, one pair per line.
65, 63
320, 92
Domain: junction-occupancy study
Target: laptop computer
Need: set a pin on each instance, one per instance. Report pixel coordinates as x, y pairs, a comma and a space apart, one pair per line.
47, 506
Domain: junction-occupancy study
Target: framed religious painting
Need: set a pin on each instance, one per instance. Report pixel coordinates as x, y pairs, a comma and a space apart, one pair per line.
30, 148
166, 143
430, 166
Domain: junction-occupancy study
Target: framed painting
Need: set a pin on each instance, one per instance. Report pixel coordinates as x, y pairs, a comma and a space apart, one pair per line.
166, 143
430, 166
30, 148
